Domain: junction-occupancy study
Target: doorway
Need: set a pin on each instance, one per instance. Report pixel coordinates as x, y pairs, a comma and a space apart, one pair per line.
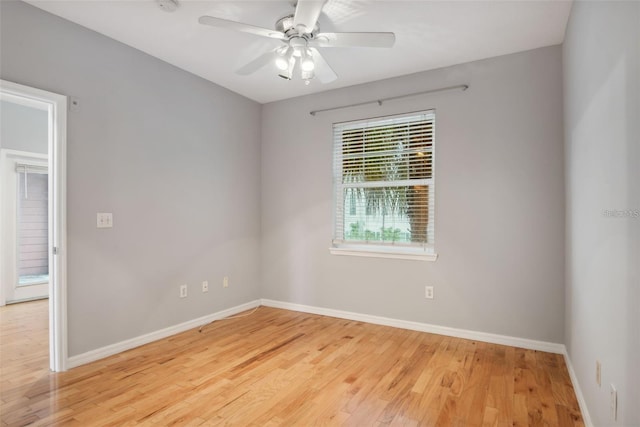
24, 218
33, 212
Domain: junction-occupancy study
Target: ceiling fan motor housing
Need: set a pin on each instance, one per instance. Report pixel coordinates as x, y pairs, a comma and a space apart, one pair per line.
285, 25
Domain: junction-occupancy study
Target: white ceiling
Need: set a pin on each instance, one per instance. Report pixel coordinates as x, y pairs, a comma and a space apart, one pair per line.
429, 34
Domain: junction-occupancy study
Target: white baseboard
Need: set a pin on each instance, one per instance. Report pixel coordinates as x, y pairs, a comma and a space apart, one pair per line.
586, 418
101, 353
422, 327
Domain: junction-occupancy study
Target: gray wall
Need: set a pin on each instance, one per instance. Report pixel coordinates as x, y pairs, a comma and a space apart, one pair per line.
602, 134
499, 201
174, 157
23, 128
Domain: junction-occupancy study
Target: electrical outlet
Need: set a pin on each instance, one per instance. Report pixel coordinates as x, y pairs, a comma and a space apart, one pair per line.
183, 291
614, 403
428, 292
205, 286
225, 282
598, 373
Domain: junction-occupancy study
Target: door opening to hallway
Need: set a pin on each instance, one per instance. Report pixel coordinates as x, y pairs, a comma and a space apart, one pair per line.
32, 215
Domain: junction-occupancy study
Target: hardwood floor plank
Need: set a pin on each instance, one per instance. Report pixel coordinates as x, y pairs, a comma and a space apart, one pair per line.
277, 367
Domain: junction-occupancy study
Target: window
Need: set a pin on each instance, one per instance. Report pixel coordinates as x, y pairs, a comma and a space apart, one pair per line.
384, 186
32, 225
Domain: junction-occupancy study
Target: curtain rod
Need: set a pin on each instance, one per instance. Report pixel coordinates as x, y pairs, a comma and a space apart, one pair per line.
380, 101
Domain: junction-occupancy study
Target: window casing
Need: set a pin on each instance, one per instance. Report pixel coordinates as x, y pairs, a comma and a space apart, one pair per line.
385, 166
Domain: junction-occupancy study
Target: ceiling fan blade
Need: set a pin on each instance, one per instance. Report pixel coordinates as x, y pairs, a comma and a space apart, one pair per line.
239, 26
307, 13
257, 63
353, 40
322, 70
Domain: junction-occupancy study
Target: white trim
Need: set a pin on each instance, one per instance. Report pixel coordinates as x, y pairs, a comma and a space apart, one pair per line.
381, 253
545, 346
101, 353
22, 100
58, 188
586, 418
56, 105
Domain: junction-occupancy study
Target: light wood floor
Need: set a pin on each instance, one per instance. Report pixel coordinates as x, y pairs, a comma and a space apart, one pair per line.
278, 367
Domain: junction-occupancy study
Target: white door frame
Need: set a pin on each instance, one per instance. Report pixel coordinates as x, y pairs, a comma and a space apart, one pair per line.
56, 105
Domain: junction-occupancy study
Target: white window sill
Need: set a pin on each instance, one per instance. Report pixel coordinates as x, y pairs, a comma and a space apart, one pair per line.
381, 252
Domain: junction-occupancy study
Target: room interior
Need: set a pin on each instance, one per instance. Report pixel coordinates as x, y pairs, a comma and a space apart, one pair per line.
24, 193
225, 178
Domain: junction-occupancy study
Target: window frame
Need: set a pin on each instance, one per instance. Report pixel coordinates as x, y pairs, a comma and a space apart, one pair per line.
397, 250
22, 168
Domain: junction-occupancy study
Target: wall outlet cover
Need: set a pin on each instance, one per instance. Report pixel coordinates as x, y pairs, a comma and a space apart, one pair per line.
428, 292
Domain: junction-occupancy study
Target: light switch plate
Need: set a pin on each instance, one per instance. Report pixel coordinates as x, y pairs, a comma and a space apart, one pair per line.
105, 220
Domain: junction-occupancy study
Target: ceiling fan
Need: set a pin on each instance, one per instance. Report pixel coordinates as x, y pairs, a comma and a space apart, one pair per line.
301, 37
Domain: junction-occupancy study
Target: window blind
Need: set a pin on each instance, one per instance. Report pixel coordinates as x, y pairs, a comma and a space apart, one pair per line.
32, 225
23, 171
384, 181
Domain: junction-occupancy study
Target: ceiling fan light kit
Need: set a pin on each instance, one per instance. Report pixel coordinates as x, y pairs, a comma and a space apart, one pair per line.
287, 73
306, 61
301, 36
307, 76
283, 57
